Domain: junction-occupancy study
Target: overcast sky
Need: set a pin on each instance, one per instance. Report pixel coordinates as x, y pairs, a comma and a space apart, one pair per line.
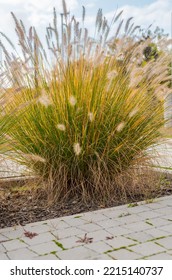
39, 12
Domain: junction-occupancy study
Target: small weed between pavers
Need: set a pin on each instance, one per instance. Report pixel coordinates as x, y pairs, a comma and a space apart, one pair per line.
169, 220
135, 240
22, 241
145, 257
60, 245
132, 205
149, 200
124, 215
77, 217
53, 252
117, 249
148, 222
157, 238
159, 245
85, 239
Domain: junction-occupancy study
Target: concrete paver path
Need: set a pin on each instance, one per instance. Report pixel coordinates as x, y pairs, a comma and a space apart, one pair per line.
123, 232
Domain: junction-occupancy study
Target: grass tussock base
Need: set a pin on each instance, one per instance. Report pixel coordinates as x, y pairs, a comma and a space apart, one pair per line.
135, 184
30, 202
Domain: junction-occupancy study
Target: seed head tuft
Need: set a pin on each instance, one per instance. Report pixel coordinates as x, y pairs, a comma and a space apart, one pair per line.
77, 149
61, 127
72, 100
120, 126
44, 99
90, 116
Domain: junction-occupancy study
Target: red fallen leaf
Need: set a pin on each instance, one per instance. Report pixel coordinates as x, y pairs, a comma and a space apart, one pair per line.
85, 240
30, 234
109, 237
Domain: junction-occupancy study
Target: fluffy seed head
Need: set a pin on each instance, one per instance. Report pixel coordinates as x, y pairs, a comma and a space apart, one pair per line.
44, 99
120, 126
61, 127
133, 112
72, 100
90, 116
77, 149
112, 74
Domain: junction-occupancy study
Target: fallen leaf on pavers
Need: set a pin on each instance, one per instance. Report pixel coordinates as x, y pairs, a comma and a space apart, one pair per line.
109, 237
85, 240
30, 234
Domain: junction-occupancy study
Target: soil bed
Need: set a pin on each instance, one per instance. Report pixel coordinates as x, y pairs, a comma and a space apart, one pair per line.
20, 207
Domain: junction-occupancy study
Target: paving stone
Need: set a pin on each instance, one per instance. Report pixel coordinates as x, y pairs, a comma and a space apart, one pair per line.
76, 222
141, 226
155, 206
168, 217
129, 219
109, 222
124, 254
167, 202
57, 224
3, 256
40, 238
14, 234
148, 248
79, 253
69, 242
92, 216
72, 231
158, 222
166, 242
149, 214
156, 232
3, 238
47, 257
21, 254
169, 252
167, 228
101, 257
14, 244
167, 197
89, 227
115, 213
162, 256
99, 247
118, 242
139, 236
2, 248
119, 230
45, 248
164, 210
38, 223
138, 209
2, 230
38, 228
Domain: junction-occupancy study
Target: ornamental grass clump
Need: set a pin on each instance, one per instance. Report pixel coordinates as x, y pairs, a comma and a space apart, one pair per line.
80, 120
